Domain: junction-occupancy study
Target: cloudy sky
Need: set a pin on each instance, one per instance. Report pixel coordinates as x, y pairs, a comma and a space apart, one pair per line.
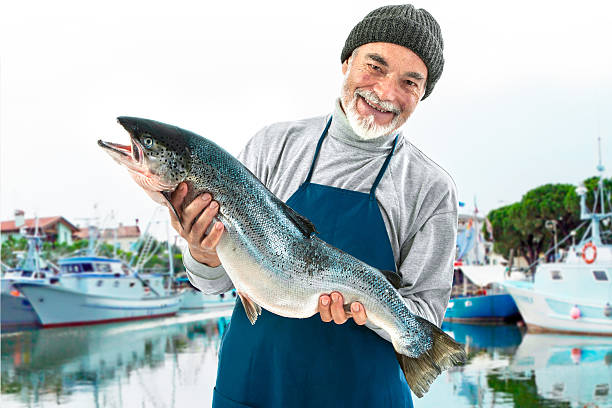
526, 90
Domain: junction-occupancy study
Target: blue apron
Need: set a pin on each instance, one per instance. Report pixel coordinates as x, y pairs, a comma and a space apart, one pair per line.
293, 363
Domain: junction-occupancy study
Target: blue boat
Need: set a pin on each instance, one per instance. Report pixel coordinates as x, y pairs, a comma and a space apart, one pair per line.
477, 294
495, 307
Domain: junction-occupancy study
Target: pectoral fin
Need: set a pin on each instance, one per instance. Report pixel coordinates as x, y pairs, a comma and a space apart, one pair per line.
252, 309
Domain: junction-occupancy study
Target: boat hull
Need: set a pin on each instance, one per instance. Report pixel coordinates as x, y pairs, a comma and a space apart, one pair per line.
196, 300
17, 311
58, 306
546, 312
486, 308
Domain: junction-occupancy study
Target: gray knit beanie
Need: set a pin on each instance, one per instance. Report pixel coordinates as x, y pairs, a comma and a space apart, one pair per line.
404, 25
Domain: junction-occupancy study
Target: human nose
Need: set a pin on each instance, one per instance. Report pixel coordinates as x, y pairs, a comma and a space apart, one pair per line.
386, 88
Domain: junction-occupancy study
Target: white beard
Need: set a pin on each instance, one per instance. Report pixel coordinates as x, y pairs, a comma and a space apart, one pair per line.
366, 127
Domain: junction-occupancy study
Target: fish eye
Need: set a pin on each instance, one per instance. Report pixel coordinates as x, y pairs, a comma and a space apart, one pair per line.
147, 141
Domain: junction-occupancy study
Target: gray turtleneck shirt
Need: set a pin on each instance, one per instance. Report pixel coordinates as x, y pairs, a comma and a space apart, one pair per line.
417, 200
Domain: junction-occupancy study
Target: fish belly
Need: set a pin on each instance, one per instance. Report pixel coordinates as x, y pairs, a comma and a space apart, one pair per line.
292, 294
273, 291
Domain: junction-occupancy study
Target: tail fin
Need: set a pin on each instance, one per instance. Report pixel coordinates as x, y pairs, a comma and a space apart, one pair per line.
422, 371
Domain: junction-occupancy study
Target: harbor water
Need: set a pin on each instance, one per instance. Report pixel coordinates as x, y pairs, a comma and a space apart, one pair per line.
171, 362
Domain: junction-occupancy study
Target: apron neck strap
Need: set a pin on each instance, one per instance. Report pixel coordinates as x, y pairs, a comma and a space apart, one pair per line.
378, 177
382, 170
314, 160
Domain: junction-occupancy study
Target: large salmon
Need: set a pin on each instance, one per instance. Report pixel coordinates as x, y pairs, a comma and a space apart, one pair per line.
271, 253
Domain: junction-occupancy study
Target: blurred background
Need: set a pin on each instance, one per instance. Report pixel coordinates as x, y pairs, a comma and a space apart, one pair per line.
523, 105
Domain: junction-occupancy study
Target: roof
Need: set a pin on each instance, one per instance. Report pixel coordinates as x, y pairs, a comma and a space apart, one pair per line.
123, 231
43, 223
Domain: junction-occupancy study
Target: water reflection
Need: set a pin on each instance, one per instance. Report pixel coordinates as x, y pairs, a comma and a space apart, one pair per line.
172, 363
101, 365
574, 369
507, 368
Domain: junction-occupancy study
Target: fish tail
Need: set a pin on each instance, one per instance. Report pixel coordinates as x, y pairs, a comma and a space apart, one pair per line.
421, 371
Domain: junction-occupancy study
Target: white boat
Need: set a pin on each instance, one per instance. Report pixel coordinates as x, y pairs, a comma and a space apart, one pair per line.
16, 309
573, 295
194, 300
99, 290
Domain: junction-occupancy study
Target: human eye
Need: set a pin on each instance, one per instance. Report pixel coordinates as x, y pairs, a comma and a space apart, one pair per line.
409, 83
375, 67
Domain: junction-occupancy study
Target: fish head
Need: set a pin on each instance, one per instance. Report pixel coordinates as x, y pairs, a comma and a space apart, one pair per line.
157, 156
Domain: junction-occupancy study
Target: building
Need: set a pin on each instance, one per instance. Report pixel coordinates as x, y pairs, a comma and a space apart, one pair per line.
124, 236
52, 229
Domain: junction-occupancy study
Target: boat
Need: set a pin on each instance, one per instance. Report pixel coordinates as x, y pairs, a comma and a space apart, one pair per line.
93, 289
477, 294
99, 290
194, 300
16, 309
574, 293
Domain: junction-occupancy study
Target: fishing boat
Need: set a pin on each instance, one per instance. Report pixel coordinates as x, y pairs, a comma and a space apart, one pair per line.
194, 300
477, 294
16, 309
93, 289
573, 294
99, 290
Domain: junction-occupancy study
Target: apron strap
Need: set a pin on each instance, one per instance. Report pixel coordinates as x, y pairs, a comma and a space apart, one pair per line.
382, 170
317, 152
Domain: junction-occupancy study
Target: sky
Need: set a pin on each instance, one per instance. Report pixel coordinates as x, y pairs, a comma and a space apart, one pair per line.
525, 93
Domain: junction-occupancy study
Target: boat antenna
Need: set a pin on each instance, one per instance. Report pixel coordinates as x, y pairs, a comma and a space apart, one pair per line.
600, 168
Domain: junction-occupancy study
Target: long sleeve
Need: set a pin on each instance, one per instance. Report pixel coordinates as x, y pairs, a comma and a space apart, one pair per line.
427, 267
209, 280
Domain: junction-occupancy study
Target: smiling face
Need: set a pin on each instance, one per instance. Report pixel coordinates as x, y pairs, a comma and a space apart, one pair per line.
383, 83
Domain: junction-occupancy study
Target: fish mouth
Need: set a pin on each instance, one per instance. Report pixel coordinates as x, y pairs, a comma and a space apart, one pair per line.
132, 156
125, 154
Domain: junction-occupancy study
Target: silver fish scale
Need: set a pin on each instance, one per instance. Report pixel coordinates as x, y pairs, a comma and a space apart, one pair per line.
301, 267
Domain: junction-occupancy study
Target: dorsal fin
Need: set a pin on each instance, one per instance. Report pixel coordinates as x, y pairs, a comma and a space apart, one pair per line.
300, 221
393, 277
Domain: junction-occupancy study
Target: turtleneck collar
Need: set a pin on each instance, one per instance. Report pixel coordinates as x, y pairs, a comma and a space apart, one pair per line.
340, 129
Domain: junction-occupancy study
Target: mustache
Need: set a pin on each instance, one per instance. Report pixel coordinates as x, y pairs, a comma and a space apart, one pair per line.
371, 97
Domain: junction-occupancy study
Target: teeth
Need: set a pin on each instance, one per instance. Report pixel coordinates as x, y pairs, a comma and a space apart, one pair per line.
375, 107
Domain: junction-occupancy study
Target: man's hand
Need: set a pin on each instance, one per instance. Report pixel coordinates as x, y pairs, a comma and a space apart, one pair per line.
331, 307
197, 216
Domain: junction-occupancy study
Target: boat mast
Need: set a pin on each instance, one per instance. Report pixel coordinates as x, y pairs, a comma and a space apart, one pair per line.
585, 214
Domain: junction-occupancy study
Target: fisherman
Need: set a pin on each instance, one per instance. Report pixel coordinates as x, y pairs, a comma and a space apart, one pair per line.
369, 192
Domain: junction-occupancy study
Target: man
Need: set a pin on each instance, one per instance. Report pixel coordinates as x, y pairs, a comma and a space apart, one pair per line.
370, 193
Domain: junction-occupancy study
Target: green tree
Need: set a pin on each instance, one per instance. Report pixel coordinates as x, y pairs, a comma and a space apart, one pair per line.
521, 226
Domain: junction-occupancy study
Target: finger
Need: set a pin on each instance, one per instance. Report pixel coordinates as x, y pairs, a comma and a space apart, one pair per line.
212, 239
337, 308
324, 303
359, 314
201, 224
176, 200
178, 195
191, 212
